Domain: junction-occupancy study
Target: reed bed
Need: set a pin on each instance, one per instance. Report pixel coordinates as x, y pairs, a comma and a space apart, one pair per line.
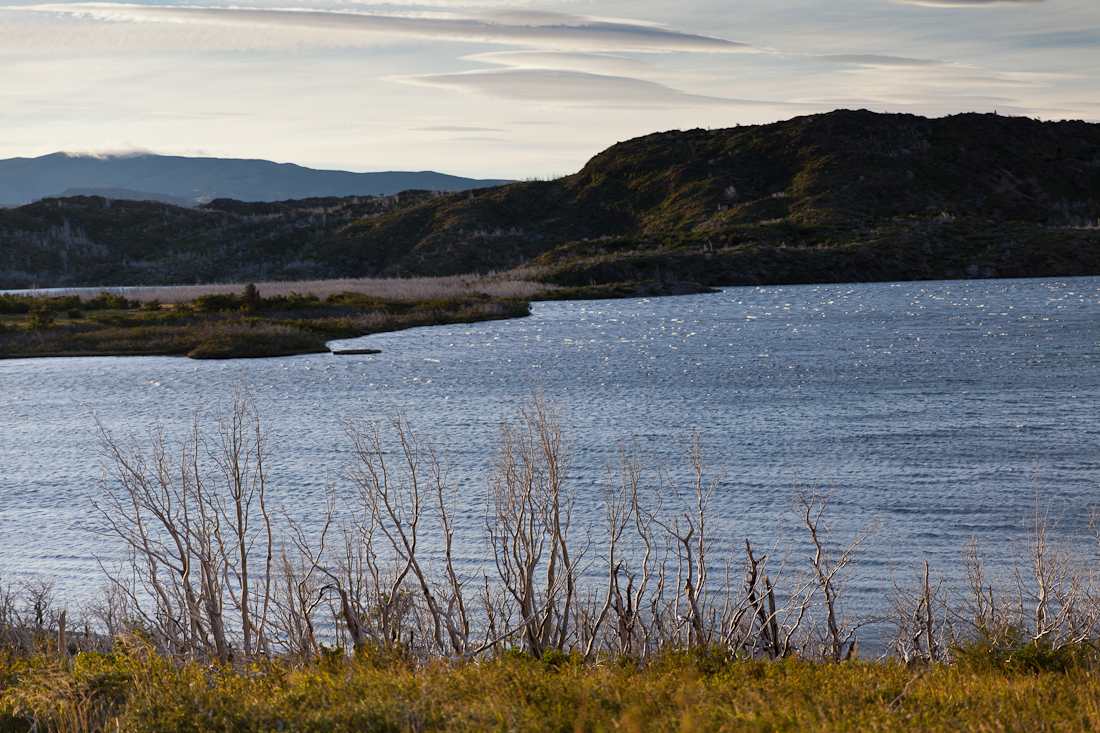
496, 285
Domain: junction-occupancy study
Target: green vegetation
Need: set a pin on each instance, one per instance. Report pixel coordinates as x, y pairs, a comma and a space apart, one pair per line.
839, 197
222, 326
133, 689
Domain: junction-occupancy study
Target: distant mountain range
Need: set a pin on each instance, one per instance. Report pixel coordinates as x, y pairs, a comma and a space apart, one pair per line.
846, 196
193, 181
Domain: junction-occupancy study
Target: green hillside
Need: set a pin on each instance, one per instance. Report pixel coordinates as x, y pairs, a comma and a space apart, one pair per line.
843, 196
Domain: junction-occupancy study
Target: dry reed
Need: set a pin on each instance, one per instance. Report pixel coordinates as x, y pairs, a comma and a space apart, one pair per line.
497, 285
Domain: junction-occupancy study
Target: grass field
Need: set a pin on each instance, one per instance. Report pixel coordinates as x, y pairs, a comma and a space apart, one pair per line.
135, 690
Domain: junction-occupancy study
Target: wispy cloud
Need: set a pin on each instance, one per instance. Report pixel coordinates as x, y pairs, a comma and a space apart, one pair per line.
377, 84
596, 63
456, 128
969, 3
857, 59
553, 86
539, 30
914, 74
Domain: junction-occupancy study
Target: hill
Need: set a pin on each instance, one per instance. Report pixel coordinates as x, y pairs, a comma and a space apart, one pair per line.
197, 180
837, 197
125, 194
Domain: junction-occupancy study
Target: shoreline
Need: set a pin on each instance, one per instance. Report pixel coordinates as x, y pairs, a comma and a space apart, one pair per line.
226, 326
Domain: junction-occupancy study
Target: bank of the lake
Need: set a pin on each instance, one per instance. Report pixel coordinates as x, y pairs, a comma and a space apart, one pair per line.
222, 326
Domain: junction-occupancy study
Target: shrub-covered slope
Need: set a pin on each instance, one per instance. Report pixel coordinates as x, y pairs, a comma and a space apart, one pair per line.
848, 195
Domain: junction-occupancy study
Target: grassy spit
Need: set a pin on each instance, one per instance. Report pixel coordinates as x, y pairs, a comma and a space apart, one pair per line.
515, 284
231, 321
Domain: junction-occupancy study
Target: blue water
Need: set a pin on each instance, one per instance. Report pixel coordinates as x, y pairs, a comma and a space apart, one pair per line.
934, 409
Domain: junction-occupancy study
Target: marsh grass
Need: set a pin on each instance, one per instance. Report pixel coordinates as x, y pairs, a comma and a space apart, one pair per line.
279, 327
497, 285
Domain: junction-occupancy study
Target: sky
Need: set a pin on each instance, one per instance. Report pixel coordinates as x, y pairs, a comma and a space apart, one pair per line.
515, 90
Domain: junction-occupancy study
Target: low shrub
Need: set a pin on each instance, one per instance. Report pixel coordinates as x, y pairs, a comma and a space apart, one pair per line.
1013, 650
216, 303
247, 341
110, 301
39, 319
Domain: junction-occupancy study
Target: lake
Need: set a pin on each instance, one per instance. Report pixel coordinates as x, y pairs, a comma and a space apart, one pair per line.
936, 409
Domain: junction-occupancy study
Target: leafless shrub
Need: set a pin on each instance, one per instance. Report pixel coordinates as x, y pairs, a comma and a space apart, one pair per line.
759, 625
213, 572
829, 567
298, 590
383, 553
693, 534
1046, 593
108, 616
528, 516
920, 613
631, 505
191, 518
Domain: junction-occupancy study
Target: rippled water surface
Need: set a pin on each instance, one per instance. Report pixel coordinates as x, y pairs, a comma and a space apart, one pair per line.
926, 406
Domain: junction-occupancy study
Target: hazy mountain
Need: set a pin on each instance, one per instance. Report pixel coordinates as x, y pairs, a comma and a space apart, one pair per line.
198, 180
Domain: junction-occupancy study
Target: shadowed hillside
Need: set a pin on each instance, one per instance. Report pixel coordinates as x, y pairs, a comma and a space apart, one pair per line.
843, 196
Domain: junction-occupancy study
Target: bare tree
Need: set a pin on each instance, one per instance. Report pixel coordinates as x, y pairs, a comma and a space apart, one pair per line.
187, 515
393, 496
240, 454
830, 567
1045, 594
1053, 580
692, 532
528, 516
298, 587
771, 626
631, 556
920, 612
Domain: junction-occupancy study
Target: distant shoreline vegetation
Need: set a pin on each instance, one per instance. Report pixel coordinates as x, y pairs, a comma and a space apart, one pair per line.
233, 321
271, 319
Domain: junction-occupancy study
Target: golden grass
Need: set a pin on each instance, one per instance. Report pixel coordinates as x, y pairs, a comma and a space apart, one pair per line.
136, 690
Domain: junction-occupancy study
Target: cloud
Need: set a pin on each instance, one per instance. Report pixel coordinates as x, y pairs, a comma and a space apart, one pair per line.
569, 88
513, 16
590, 62
969, 3
900, 72
116, 151
457, 128
540, 30
855, 59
